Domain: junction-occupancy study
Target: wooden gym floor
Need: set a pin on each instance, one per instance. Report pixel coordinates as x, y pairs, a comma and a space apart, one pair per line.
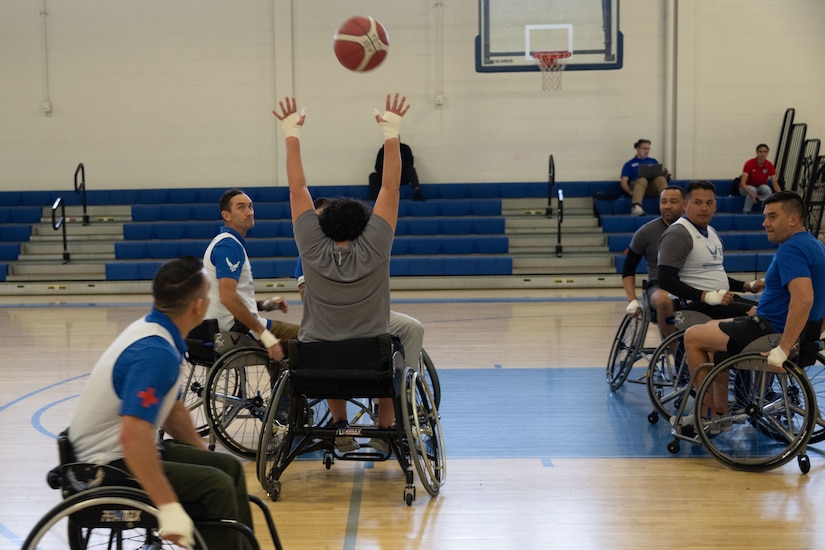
540, 454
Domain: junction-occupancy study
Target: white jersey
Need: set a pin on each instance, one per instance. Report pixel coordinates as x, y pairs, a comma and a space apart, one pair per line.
703, 268
246, 284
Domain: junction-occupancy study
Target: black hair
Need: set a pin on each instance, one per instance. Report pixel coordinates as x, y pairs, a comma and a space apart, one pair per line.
320, 202
344, 219
639, 142
762, 145
699, 184
792, 203
674, 188
176, 284
227, 197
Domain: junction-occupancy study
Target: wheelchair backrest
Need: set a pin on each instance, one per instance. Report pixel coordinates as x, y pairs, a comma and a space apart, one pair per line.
71, 476
200, 341
350, 368
685, 318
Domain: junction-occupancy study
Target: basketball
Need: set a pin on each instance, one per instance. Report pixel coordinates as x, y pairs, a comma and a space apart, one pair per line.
361, 43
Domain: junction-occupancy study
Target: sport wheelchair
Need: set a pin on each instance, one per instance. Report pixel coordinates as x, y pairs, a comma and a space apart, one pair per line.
104, 508
772, 414
365, 368
628, 344
228, 387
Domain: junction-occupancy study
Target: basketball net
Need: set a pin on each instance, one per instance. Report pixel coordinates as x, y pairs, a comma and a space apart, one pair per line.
552, 68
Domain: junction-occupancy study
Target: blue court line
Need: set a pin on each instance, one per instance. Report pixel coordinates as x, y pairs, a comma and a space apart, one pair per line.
39, 414
41, 390
8, 534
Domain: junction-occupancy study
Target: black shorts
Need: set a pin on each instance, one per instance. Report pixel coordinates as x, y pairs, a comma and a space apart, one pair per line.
744, 330
738, 308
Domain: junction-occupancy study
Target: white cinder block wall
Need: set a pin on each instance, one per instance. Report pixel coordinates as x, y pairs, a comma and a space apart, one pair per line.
178, 93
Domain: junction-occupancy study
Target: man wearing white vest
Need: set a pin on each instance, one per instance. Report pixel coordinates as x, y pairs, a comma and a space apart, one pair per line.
691, 260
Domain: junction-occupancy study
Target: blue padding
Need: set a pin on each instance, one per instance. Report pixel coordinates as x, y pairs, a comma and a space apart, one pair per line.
740, 261
263, 248
4, 271
9, 251
145, 231
586, 188
15, 233
474, 207
450, 245
763, 260
451, 265
131, 271
746, 240
20, 214
274, 268
467, 225
618, 242
624, 224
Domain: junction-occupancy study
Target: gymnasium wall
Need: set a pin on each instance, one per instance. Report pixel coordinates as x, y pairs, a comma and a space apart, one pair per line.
178, 93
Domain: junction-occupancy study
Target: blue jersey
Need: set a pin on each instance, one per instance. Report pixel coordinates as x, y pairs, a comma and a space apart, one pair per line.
630, 170
802, 255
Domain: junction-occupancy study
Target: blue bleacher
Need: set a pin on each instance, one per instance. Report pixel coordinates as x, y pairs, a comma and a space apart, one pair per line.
735, 262
4, 271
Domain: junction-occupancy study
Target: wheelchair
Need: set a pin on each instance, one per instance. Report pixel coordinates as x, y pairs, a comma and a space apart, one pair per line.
228, 387
628, 344
772, 413
104, 508
667, 376
365, 368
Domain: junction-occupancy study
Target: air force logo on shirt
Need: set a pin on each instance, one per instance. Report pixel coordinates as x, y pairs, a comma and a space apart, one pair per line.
232, 267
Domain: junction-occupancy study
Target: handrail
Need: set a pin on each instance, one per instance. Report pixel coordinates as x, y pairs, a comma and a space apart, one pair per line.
57, 224
560, 220
80, 187
551, 180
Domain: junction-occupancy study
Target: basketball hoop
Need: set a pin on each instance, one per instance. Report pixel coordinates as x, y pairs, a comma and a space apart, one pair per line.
552, 68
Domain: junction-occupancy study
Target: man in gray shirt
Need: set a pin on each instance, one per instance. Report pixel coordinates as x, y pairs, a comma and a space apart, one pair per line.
345, 252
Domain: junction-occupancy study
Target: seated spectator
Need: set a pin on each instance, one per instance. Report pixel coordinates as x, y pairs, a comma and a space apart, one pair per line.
637, 187
758, 179
408, 173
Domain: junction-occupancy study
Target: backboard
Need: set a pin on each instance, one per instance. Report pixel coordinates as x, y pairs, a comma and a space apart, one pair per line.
510, 30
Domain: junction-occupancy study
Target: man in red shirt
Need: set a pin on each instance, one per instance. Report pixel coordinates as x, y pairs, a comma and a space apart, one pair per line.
758, 179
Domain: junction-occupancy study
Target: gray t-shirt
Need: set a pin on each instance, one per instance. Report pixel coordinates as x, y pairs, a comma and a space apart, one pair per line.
348, 287
645, 243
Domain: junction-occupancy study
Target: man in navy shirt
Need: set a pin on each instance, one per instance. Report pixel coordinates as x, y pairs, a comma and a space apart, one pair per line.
637, 187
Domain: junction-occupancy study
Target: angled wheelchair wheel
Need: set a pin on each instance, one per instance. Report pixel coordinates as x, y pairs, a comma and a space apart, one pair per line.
238, 391
194, 390
422, 425
430, 376
276, 438
668, 378
626, 349
816, 375
106, 518
771, 415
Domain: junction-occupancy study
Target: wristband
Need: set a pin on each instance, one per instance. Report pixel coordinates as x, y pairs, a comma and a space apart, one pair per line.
390, 125
174, 521
777, 356
714, 298
632, 306
291, 125
301, 280
267, 339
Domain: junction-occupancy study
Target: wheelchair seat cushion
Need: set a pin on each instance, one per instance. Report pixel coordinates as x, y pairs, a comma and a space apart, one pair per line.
350, 368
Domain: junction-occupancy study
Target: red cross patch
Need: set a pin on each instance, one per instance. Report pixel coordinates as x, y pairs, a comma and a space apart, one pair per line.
148, 398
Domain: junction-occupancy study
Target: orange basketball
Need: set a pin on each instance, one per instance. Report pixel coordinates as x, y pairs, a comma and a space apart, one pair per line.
361, 43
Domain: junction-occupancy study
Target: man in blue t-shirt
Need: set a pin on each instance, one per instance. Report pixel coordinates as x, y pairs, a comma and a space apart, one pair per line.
640, 187
792, 303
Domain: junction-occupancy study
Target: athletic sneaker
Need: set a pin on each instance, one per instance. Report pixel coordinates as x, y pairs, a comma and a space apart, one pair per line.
379, 445
637, 210
344, 443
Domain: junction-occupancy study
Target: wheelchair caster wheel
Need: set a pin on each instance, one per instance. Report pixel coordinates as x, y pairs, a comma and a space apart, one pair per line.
409, 495
673, 447
328, 461
653, 417
275, 491
804, 463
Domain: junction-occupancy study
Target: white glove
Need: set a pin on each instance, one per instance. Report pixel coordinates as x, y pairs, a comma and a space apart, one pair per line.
301, 280
632, 306
267, 339
390, 125
777, 356
290, 124
173, 520
714, 298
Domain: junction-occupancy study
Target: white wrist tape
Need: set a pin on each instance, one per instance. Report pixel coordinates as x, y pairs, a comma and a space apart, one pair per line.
752, 285
267, 339
777, 357
173, 520
301, 280
290, 124
632, 306
714, 298
390, 125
